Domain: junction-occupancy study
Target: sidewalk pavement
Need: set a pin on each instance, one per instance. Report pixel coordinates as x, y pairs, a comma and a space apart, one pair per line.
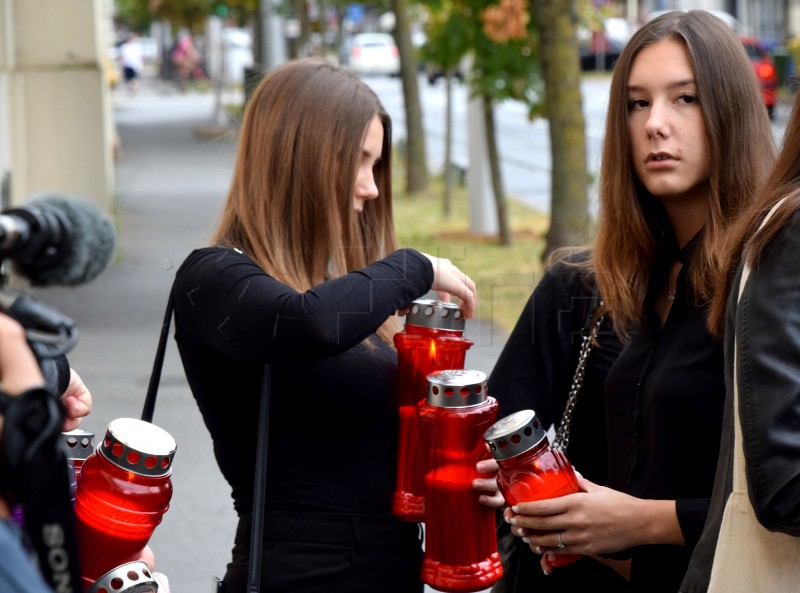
172, 177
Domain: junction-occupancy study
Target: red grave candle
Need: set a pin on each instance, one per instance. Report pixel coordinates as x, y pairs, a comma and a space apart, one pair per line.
530, 469
122, 494
460, 537
431, 341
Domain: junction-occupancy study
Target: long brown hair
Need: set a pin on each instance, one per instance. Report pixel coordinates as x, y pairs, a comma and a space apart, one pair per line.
290, 204
741, 150
745, 237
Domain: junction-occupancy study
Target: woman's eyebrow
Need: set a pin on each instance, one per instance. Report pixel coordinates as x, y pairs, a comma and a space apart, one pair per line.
673, 85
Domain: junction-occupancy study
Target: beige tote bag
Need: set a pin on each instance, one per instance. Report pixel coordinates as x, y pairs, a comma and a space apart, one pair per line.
749, 558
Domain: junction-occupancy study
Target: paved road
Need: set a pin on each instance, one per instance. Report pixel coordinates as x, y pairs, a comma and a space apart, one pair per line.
170, 187
524, 145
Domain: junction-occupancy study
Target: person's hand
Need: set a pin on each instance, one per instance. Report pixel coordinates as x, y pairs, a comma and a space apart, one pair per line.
163, 582
596, 521
491, 496
19, 369
622, 567
449, 280
77, 400
147, 556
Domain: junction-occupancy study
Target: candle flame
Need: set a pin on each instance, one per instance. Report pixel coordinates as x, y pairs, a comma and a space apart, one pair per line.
433, 350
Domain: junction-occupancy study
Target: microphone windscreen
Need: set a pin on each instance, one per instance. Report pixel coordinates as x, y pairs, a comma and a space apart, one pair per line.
88, 251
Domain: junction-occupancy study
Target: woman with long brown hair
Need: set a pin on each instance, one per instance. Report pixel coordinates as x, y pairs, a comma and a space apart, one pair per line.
760, 322
304, 273
687, 144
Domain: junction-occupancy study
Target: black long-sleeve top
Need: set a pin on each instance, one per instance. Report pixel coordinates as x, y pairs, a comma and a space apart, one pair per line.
665, 397
333, 416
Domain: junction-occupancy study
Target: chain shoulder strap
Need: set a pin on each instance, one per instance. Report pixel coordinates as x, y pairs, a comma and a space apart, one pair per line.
561, 442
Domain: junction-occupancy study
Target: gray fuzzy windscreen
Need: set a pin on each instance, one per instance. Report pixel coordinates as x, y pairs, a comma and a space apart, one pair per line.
88, 251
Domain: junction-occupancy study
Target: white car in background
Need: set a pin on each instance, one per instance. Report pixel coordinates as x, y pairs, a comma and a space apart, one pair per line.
374, 53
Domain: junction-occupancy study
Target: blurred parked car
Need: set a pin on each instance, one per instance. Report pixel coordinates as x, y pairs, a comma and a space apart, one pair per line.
374, 53
600, 53
765, 71
599, 50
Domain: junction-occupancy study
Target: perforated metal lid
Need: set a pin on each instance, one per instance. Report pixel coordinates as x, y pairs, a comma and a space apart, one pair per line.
78, 443
515, 434
456, 388
132, 577
436, 315
139, 447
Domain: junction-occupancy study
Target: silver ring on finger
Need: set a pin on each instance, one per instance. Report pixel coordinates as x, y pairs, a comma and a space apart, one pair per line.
561, 544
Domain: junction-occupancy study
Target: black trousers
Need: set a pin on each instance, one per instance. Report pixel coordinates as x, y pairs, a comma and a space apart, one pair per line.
308, 552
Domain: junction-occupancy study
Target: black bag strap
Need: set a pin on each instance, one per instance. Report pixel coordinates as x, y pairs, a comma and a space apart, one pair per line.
256, 536
158, 363
260, 489
591, 327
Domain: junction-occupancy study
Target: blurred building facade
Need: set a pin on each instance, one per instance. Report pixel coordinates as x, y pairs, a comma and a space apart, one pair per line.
56, 130
774, 22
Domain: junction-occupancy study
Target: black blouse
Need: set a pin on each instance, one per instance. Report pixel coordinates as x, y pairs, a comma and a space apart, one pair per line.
332, 382
664, 399
535, 371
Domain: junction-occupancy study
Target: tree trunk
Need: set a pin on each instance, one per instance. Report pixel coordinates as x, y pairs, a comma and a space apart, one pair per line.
503, 229
298, 45
416, 160
448, 144
559, 55
340, 14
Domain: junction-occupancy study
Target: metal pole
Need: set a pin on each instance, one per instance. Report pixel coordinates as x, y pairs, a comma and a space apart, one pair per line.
483, 214
271, 36
633, 12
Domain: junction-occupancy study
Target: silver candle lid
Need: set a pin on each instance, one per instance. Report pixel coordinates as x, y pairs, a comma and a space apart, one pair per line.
515, 434
78, 443
436, 315
456, 388
132, 577
139, 447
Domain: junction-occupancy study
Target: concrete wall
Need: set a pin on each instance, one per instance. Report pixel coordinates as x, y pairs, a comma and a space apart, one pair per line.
6, 49
56, 129
765, 19
793, 20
